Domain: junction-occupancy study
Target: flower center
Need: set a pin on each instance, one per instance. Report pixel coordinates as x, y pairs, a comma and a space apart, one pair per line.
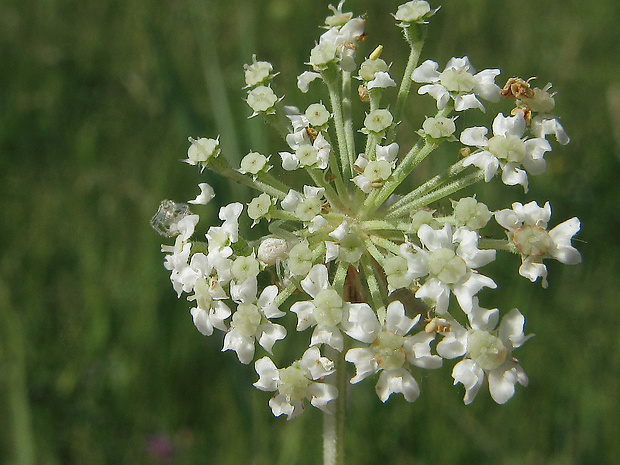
328, 310
509, 148
308, 208
532, 240
457, 80
293, 383
447, 266
485, 349
246, 320
389, 352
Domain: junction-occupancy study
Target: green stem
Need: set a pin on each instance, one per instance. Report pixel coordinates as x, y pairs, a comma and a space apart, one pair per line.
220, 166
330, 79
415, 39
438, 194
411, 160
428, 186
333, 423
348, 117
373, 284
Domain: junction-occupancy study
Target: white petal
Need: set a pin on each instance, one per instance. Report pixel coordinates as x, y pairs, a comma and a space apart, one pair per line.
532, 268
396, 321
397, 381
502, 381
267, 302
243, 346
471, 376
484, 160
316, 281
321, 395
202, 321
329, 335
270, 333
512, 175
426, 72
418, 351
436, 291
280, 405
438, 92
304, 80
465, 292
289, 161
364, 361
381, 80
268, 374
511, 329
561, 235
205, 196
362, 323
475, 137
466, 102
305, 314
513, 125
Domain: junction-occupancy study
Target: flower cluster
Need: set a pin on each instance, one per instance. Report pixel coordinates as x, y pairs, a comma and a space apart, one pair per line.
340, 245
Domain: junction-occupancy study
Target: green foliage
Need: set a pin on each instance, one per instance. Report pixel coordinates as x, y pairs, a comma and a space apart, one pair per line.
97, 356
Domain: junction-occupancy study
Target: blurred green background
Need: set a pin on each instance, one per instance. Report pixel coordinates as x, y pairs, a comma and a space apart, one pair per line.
101, 364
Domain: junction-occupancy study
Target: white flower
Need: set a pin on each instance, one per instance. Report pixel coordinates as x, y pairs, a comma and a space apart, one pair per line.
324, 312
347, 247
305, 206
527, 228
297, 382
254, 163
262, 99
258, 72
230, 215
378, 121
487, 351
317, 114
470, 213
506, 149
210, 312
378, 170
250, 322
202, 150
206, 194
457, 82
338, 43
449, 264
439, 127
390, 350
413, 11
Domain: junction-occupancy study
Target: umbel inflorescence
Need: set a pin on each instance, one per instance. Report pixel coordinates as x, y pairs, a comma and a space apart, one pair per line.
374, 275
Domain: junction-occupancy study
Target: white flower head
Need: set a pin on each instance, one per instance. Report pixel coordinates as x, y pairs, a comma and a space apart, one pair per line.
415, 11
449, 260
526, 227
459, 82
324, 312
300, 381
262, 99
258, 72
202, 150
487, 352
391, 350
507, 149
250, 322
